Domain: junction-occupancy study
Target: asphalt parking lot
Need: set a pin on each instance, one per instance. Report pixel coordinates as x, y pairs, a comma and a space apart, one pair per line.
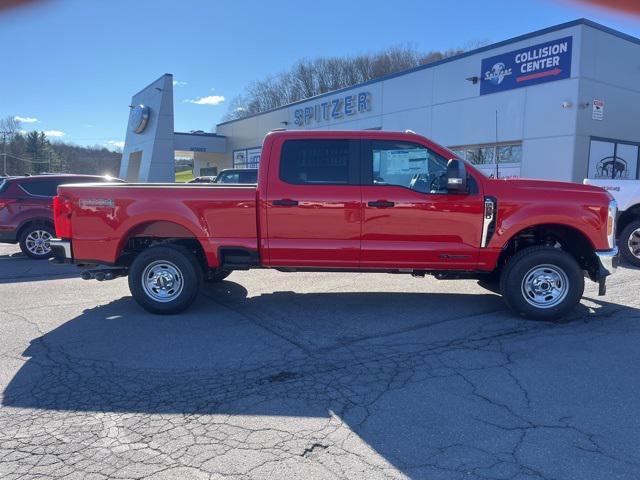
313, 376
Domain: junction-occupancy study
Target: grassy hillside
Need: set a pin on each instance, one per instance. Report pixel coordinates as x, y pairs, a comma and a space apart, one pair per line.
184, 176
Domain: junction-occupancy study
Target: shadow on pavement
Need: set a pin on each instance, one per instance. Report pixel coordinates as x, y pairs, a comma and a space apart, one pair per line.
16, 267
119, 345
409, 373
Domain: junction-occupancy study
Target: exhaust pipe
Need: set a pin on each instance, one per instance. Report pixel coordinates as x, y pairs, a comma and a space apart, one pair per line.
102, 275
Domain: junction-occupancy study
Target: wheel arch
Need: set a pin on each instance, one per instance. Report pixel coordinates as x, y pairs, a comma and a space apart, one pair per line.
567, 238
626, 217
153, 232
33, 221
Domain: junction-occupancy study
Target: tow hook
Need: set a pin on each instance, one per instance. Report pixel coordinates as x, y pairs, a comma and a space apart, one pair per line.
103, 274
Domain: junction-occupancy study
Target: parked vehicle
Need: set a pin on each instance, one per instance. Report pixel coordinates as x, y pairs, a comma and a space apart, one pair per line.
627, 194
26, 215
238, 175
343, 201
205, 179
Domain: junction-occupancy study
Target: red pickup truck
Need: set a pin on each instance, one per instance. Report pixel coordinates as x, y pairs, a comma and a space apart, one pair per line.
360, 201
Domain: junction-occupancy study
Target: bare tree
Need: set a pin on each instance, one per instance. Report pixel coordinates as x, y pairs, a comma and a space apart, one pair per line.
10, 125
310, 77
9, 128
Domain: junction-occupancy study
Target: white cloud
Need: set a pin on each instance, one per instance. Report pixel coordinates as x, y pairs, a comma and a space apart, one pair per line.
18, 118
114, 143
179, 83
54, 133
208, 100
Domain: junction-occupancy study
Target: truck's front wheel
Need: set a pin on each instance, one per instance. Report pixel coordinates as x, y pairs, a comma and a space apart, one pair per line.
630, 243
165, 279
542, 283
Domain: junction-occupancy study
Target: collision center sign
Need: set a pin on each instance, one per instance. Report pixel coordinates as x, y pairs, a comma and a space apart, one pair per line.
540, 63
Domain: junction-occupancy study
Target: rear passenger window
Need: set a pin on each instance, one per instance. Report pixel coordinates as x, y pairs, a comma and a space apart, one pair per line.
45, 188
319, 162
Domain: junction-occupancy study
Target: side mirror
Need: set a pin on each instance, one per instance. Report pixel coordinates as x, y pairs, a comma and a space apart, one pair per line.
456, 176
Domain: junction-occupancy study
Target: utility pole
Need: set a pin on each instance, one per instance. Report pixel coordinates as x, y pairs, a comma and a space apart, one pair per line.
496, 148
4, 150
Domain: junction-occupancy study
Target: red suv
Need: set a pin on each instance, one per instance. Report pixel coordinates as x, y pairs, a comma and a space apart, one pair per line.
26, 214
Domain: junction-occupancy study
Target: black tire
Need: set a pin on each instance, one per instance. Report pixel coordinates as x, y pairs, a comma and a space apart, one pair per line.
215, 276
30, 239
178, 268
548, 267
630, 232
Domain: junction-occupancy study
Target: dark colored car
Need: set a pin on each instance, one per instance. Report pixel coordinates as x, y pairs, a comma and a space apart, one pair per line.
205, 179
26, 215
238, 175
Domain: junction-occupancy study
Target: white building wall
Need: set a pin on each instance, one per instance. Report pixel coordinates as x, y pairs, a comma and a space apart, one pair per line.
610, 71
549, 119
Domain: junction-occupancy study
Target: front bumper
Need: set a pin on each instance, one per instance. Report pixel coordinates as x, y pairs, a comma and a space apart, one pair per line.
607, 265
61, 250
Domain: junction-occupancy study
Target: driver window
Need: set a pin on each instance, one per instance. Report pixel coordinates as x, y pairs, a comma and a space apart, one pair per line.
408, 165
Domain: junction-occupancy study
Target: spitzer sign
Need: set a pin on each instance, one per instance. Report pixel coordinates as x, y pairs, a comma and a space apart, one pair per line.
533, 65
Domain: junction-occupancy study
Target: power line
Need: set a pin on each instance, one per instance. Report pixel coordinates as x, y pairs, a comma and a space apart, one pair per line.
25, 159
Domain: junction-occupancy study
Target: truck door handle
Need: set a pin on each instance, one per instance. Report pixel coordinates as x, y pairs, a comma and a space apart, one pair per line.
381, 204
285, 202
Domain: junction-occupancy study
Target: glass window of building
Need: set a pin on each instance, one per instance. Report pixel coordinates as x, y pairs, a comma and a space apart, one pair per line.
483, 157
613, 159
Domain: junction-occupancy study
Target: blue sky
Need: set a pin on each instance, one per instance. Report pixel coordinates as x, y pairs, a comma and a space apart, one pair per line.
74, 64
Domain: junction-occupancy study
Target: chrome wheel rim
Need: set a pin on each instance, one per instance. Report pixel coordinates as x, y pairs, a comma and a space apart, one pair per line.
545, 286
162, 281
37, 242
634, 243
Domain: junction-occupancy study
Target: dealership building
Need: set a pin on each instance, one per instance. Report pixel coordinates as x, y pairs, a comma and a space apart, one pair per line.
560, 103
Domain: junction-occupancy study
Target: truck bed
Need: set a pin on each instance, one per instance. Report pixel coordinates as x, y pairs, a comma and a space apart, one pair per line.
105, 216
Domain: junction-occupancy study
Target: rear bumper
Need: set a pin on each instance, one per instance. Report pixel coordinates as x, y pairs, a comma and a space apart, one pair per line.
61, 249
608, 264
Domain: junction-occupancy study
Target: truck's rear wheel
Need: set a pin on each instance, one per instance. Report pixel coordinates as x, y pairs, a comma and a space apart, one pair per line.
165, 279
542, 283
630, 243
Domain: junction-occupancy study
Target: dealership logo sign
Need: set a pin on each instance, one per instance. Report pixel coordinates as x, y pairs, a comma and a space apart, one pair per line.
612, 167
333, 109
533, 65
497, 73
140, 118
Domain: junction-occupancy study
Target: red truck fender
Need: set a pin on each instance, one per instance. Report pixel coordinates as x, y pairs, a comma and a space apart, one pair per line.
528, 217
